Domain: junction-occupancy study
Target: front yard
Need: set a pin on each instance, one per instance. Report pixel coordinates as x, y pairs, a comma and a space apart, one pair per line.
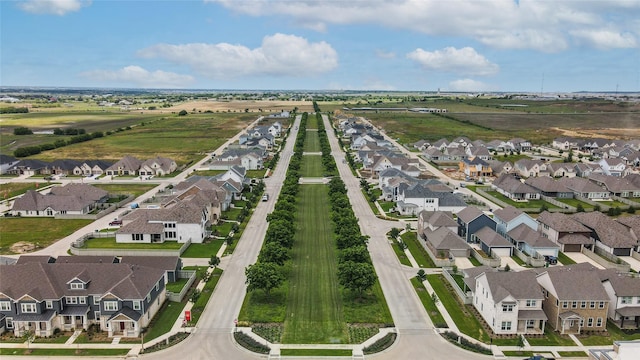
34, 232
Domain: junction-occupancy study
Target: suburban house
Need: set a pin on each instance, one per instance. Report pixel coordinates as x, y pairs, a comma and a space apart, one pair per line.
532, 242
475, 168
509, 217
614, 167
71, 199
6, 162
500, 167
550, 187
586, 169
609, 235
574, 298
632, 224
444, 243
250, 159
565, 231
558, 170
583, 188
121, 298
127, 166
530, 167
520, 144
514, 189
203, 183
565, 143
413, 198
492, 243
624, 300
158, 166
436, 219
30, 167
508, 302
616, 186
472, 219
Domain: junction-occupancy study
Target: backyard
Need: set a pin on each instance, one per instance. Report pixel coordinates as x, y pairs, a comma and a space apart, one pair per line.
39, 232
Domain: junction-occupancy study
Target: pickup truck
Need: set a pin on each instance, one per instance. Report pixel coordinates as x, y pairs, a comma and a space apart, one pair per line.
115, 223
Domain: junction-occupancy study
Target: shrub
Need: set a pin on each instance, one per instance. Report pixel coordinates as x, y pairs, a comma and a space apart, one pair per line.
381, 344
249, 343
465, 344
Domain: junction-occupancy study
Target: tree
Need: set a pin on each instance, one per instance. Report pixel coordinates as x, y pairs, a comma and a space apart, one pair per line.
214, 261
422, 276
394, 233
273, 252
507, 268
182, 113
434, 298
357, 277
356, 254
194, 296
263, 276
22, 131
579, 208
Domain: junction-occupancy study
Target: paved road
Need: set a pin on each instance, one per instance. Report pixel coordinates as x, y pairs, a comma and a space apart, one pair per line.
213, 336
417, 338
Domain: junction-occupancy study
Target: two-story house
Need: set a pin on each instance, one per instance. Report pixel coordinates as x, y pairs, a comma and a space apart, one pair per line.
509, 302
624, 297
472, 219
509, 217
565, 231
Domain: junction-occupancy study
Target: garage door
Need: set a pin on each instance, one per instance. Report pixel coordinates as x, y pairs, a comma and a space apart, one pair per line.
572, 247
622, 252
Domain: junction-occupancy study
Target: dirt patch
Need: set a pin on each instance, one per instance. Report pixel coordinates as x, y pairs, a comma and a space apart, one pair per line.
608, 133
22, 247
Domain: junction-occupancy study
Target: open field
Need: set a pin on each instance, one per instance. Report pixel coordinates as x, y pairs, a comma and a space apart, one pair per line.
314, 309
182, 138
39, 231
264, 106
126, 189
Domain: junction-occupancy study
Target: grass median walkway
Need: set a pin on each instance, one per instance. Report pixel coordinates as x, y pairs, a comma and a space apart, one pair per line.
314, 307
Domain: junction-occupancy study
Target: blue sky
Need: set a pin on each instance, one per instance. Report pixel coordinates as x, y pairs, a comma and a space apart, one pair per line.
405, 45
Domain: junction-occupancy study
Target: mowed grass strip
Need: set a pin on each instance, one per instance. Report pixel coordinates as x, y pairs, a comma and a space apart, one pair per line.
40, 231
312, 141
314, 307
311, 166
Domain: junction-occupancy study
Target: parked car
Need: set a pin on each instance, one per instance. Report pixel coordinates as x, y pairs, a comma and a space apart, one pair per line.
265, 197
552, 260
115, 223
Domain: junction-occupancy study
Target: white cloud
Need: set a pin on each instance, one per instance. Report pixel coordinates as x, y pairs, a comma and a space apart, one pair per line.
459, 61
54, 7
605, 39
140, 77
525, 24
469, 85
278, 55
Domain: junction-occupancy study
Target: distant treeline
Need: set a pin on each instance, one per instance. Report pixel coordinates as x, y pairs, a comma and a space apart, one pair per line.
37, 149
14, 110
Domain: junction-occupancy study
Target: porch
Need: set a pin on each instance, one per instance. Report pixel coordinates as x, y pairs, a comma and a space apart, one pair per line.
570, 323
74, 318
40, 325
124, 323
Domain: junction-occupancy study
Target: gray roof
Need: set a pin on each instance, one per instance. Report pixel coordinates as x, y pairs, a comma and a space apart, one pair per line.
491, 238
445, 239
625, 285
547, 184
469, 213
438, 218
609, 231
561, 222
521, 285
575, 284
49, 281
523, 233
83, 191
507, 213
511, 185
34, 201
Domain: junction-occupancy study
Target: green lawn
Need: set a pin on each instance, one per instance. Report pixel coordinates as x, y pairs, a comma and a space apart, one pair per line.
311, 166
64, 352
204, 250
575, 203
564, 259
314, 308
535, 204
10, 190
404, 260
418, 252
572, 353
110, 243
614, 334
205, 295
464, 319
312, 142
39, 231
177, 286
551, 338
431, 308
316, 352
126, 189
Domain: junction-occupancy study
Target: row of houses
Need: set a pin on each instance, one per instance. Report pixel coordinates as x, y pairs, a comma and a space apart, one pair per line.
128, 166
261, 135
598, 147
118, 294
187, 212
570, 299
595, 188
509, 229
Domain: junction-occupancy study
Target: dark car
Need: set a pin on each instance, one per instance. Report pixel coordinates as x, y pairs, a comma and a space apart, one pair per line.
552, 260
115, 223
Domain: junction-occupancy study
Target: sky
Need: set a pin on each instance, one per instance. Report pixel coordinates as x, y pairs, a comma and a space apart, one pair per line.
388, 45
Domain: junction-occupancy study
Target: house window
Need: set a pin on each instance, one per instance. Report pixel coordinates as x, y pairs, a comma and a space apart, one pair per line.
565, 304
583, 305
28, 308
157, 286
601, 305
9, 323
82, 299
531, 303
170, 234
110, 306
581, 322
599, 322
149, 297
507, 307
96, 299
77, 286
137, 237
574, 304
136, 305
545, 226
590, 322
5, 305
506, 325
592, 305
626, 300
72, 300
49, 304
96, 315
531, 324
